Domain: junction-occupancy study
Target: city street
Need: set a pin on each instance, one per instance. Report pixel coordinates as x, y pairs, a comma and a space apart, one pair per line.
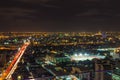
11, 68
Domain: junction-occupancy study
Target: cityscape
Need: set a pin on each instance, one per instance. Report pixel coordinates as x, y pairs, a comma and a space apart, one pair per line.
60, 55
59, 39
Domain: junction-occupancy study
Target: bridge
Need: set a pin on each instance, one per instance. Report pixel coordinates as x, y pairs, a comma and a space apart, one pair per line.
6, 74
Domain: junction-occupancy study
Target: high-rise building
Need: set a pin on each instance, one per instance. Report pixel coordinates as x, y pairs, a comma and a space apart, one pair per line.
98, 72
102, 71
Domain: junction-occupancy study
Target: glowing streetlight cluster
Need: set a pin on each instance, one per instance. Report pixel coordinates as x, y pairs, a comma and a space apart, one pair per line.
81, 54
85, 56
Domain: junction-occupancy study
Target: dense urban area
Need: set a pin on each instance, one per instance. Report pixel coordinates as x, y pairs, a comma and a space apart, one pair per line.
60, 56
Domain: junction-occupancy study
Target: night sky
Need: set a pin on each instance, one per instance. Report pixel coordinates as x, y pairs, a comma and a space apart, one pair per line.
59, 15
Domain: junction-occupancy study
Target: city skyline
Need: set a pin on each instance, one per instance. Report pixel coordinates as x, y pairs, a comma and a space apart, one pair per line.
60, 15
59, 55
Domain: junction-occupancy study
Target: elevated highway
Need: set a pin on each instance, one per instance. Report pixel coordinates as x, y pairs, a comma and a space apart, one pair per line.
6, 74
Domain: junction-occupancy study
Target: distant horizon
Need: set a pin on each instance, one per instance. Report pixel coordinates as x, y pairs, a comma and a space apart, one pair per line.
56, 31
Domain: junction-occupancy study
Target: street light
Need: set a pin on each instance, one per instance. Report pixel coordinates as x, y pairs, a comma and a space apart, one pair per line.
19, 77
80, 54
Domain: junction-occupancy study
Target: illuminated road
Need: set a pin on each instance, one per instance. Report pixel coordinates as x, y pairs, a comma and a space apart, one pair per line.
11, 68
